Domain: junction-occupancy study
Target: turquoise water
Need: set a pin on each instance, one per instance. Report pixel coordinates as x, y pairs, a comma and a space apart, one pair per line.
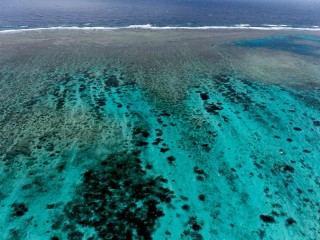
298, 44
96, 153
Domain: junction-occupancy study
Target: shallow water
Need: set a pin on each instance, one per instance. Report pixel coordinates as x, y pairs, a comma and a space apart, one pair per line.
298, 44
148, 135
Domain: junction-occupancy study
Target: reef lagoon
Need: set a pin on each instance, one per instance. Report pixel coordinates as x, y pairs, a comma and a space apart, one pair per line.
159, 134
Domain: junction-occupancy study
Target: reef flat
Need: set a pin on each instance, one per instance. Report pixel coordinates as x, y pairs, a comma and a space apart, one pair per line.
159, 134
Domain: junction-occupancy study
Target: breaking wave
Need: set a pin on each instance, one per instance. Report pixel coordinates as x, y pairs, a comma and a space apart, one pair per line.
151, 27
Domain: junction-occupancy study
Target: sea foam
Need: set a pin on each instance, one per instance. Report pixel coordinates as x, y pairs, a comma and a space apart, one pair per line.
151, 27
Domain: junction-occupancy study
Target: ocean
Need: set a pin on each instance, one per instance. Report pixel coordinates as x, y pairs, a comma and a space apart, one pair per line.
159, 120
100, 13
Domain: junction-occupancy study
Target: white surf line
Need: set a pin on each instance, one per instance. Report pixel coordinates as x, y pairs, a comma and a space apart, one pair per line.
150, 27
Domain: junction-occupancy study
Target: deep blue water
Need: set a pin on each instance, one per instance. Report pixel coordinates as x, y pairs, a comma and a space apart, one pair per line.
36, 13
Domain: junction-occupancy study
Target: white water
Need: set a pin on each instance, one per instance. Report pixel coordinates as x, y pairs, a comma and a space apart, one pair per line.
150, 27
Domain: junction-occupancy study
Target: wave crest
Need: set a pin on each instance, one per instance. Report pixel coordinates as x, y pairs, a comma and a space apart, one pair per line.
151, 27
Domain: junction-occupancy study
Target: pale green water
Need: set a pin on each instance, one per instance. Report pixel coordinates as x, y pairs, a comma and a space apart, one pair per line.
150, 142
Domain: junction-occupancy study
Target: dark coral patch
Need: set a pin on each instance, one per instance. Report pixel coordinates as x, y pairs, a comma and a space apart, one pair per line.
171, 159
192, 229
199, 171
212, 108
163, 150
118, 200
141, 132
196, 226
141, 144
186, 207
19, 209
290, 221
112, 81
288, 168
316, 123
267, 219
157, 141
149, 166
50, 206
202, 197
204, 96
165, 114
